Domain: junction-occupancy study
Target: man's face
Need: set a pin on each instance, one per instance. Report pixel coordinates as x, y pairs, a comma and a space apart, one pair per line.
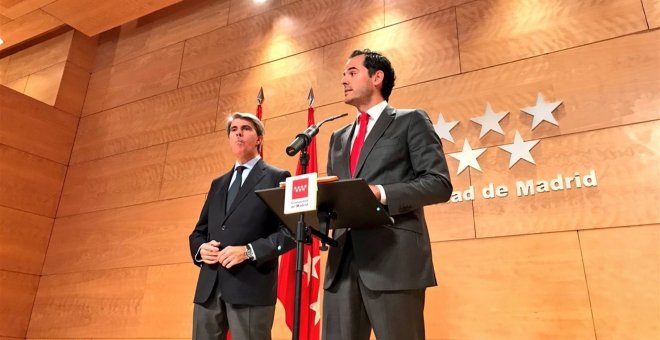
359, 87
243, 139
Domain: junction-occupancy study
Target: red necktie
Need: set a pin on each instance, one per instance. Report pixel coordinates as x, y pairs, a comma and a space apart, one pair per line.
359, 141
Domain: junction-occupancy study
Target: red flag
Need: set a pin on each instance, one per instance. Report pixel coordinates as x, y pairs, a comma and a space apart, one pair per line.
260, 100
259, 114
310, 306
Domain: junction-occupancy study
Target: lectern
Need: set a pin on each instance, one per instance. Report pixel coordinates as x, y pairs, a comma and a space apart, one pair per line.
340, 204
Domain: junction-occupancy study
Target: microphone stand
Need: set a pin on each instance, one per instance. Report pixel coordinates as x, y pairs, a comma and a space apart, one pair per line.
302, 237
303, 232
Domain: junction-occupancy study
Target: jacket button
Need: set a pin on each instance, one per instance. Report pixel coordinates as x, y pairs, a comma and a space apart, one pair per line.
223, 228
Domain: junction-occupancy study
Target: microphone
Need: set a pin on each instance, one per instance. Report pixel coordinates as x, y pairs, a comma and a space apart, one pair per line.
303, 139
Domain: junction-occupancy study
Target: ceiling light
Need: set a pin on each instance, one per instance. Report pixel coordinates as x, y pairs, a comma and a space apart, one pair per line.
259, 1
1, 41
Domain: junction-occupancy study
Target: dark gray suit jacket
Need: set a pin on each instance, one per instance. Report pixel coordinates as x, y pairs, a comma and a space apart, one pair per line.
248, 221
404, 155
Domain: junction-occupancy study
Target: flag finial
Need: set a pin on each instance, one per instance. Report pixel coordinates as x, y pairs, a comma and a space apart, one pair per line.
260, 96
310, 97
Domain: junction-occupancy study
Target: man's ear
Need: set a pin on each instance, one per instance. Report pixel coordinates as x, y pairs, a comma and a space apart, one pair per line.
378, 77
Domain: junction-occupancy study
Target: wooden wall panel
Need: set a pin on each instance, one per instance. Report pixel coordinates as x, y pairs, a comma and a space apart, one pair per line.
72, 89
415, 57
286, 84
135, 236
17, 85
625, 94
173, 115
527, 287
144, 302
163, 28
452, 221
622, 266
45, 84
401, 10
243, 9
16, 8
33, 59
192, 164
24, 239
29, 183
652, 12
93, 20
611, 153
31, 25
138, 78
496, 32
82, 52
17, 293
126, 179
34, 127
289, 30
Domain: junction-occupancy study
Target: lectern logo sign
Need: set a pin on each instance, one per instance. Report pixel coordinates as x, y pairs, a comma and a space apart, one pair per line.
300, 188
300, 193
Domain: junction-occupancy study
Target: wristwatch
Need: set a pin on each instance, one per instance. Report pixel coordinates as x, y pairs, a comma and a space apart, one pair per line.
249, 253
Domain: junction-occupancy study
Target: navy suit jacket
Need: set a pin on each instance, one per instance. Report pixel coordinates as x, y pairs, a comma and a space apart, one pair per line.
248, 221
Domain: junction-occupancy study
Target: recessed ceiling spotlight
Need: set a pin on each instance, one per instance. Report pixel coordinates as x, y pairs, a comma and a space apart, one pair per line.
1, 41
259, 1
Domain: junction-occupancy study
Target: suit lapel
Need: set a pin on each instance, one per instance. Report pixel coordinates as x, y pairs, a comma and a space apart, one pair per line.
221, 192
386, 117
256, 174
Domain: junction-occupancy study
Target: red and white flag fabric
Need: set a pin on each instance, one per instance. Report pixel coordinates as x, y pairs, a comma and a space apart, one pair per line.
260, 100
310, 306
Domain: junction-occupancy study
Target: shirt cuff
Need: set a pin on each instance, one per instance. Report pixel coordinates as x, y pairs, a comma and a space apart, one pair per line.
252, 250
198, 258
383, 198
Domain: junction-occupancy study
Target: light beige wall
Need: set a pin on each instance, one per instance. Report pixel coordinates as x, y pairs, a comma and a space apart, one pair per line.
571, 264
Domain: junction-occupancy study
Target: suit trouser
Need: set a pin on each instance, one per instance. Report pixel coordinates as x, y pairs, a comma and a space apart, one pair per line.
350, 309
214, 318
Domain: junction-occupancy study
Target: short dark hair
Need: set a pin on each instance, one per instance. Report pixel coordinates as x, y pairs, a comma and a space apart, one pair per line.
374, 61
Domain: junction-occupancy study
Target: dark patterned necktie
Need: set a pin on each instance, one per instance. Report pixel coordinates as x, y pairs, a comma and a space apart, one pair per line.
235, 187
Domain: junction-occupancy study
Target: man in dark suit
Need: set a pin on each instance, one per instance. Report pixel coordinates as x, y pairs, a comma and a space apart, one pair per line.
377, 278
236, 243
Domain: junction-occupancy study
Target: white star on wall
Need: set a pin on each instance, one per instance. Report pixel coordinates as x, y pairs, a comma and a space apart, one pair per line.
443, 129
310, 266
542, 111
520, 149
490, 121
467, 157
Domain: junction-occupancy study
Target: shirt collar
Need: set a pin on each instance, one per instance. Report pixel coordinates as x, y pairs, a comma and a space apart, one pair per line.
249, 164
375, 111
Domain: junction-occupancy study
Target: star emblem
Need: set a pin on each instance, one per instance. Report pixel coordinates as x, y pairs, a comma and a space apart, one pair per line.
467, 157
520, 150
443, 129
542, 111
310, 266
490, 121
317, 313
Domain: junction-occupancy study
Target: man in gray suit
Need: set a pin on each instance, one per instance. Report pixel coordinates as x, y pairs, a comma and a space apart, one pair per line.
377, 278
236, 243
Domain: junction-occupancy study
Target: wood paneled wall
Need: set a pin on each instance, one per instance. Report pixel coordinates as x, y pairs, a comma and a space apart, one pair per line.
35, 144
567, 264
55, 72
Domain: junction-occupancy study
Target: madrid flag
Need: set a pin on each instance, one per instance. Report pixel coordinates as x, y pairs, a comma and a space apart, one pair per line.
310, 307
